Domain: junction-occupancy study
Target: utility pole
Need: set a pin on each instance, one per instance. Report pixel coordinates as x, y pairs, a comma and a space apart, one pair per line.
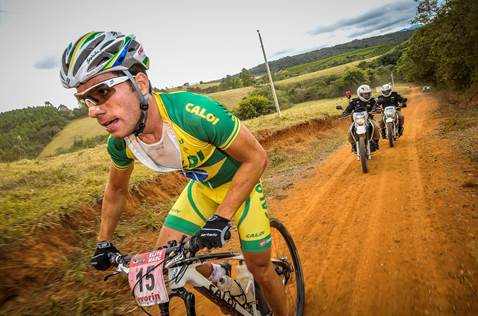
270, 76
393, 83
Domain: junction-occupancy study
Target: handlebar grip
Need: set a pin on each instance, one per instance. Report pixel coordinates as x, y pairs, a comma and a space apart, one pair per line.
117, 258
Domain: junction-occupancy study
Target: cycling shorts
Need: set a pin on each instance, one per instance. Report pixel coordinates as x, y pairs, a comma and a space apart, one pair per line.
198, 202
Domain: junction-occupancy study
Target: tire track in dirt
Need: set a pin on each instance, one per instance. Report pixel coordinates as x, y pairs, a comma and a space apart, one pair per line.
371, 244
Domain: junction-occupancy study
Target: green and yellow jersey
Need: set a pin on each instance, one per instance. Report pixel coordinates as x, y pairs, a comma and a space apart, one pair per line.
203, 128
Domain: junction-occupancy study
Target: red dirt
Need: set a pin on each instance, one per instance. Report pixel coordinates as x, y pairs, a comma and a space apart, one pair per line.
401, 240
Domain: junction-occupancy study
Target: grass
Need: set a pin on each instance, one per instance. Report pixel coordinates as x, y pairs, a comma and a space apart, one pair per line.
37, 193
231, 98
460, 117
81, 128
298, 113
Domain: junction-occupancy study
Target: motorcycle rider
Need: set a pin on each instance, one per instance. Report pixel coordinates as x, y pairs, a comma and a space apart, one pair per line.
364, 100
391, 98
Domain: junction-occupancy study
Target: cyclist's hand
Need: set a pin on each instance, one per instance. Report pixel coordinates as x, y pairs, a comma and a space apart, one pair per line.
215, 233
100, 259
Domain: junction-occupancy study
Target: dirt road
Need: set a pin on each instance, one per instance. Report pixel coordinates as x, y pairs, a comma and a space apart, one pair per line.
401, 240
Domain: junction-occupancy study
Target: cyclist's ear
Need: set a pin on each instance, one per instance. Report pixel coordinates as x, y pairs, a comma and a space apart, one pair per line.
143, 82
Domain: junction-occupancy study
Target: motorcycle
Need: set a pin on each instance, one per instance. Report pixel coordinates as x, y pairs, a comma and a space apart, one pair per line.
390, 118
362, 131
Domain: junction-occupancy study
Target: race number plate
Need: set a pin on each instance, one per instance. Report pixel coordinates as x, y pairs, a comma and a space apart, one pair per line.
146, 278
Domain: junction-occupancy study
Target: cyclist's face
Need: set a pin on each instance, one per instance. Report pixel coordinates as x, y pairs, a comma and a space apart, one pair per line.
119, 112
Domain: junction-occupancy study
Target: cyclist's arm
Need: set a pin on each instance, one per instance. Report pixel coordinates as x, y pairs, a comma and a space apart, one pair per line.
114, 201
253, 158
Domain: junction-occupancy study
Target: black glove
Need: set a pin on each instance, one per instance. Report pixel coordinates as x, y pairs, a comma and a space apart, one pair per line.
215, 233
100, 259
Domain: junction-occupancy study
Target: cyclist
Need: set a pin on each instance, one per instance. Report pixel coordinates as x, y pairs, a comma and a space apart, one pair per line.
364, 100
183, 132
392, 98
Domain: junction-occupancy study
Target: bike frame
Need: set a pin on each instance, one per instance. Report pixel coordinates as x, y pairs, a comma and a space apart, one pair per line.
182, 271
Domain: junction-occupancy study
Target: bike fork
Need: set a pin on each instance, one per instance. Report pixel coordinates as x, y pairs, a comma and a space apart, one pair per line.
188, 299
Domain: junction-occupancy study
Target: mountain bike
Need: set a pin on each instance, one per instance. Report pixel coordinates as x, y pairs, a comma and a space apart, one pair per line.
158, 276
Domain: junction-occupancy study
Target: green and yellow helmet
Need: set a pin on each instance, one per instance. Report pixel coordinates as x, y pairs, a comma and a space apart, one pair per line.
99, 52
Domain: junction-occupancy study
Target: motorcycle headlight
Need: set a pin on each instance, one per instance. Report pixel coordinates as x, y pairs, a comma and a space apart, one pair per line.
360, 120
389, 112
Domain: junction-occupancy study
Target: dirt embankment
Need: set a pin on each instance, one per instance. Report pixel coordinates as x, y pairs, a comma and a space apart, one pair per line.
401, 240
40, 259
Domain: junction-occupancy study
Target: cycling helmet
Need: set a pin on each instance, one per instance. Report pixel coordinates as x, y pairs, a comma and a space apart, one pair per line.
364, 92
98, 52
386, 90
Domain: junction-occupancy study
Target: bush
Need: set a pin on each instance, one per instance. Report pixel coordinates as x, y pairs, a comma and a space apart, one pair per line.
253, 106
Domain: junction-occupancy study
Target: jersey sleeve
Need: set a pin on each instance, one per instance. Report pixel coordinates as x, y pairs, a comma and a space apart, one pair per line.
117, 150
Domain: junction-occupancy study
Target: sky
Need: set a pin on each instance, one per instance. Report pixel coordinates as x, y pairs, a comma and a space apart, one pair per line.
187, 41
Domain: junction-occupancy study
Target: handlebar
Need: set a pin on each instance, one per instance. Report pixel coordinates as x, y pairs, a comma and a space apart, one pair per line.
189, 248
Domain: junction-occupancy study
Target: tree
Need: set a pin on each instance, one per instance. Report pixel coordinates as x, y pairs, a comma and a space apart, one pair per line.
246, 78
355, 77
253, 106
443, 52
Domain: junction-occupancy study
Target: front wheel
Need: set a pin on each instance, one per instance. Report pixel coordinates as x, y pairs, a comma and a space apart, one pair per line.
390, 132
285, 259
363, 154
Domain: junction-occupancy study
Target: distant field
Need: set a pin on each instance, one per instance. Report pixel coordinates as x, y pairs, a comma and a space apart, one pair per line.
337, 70
359, 54
231, 98
84, 128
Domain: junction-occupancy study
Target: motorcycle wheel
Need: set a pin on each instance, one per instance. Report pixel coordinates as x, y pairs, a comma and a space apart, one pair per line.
363, 154
390, 130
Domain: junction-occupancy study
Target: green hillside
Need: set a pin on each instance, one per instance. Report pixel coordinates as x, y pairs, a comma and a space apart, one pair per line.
80, 129
290, 61
336, 60
231, 98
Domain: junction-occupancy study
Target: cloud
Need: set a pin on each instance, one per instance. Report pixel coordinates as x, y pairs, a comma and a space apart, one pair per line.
282, 52
47, 62
375, 19
382, 26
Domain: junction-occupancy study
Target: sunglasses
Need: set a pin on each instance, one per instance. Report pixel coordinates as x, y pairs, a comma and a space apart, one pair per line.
100, 92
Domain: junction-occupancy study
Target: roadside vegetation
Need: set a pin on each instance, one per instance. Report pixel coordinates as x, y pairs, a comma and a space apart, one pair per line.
26, 132
443, 52
460, 115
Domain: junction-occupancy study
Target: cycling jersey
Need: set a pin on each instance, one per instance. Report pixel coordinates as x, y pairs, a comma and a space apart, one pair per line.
204, 129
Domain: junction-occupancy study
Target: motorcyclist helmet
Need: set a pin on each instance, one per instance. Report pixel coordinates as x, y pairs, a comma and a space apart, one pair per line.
99, 52
364, 92
386, 90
